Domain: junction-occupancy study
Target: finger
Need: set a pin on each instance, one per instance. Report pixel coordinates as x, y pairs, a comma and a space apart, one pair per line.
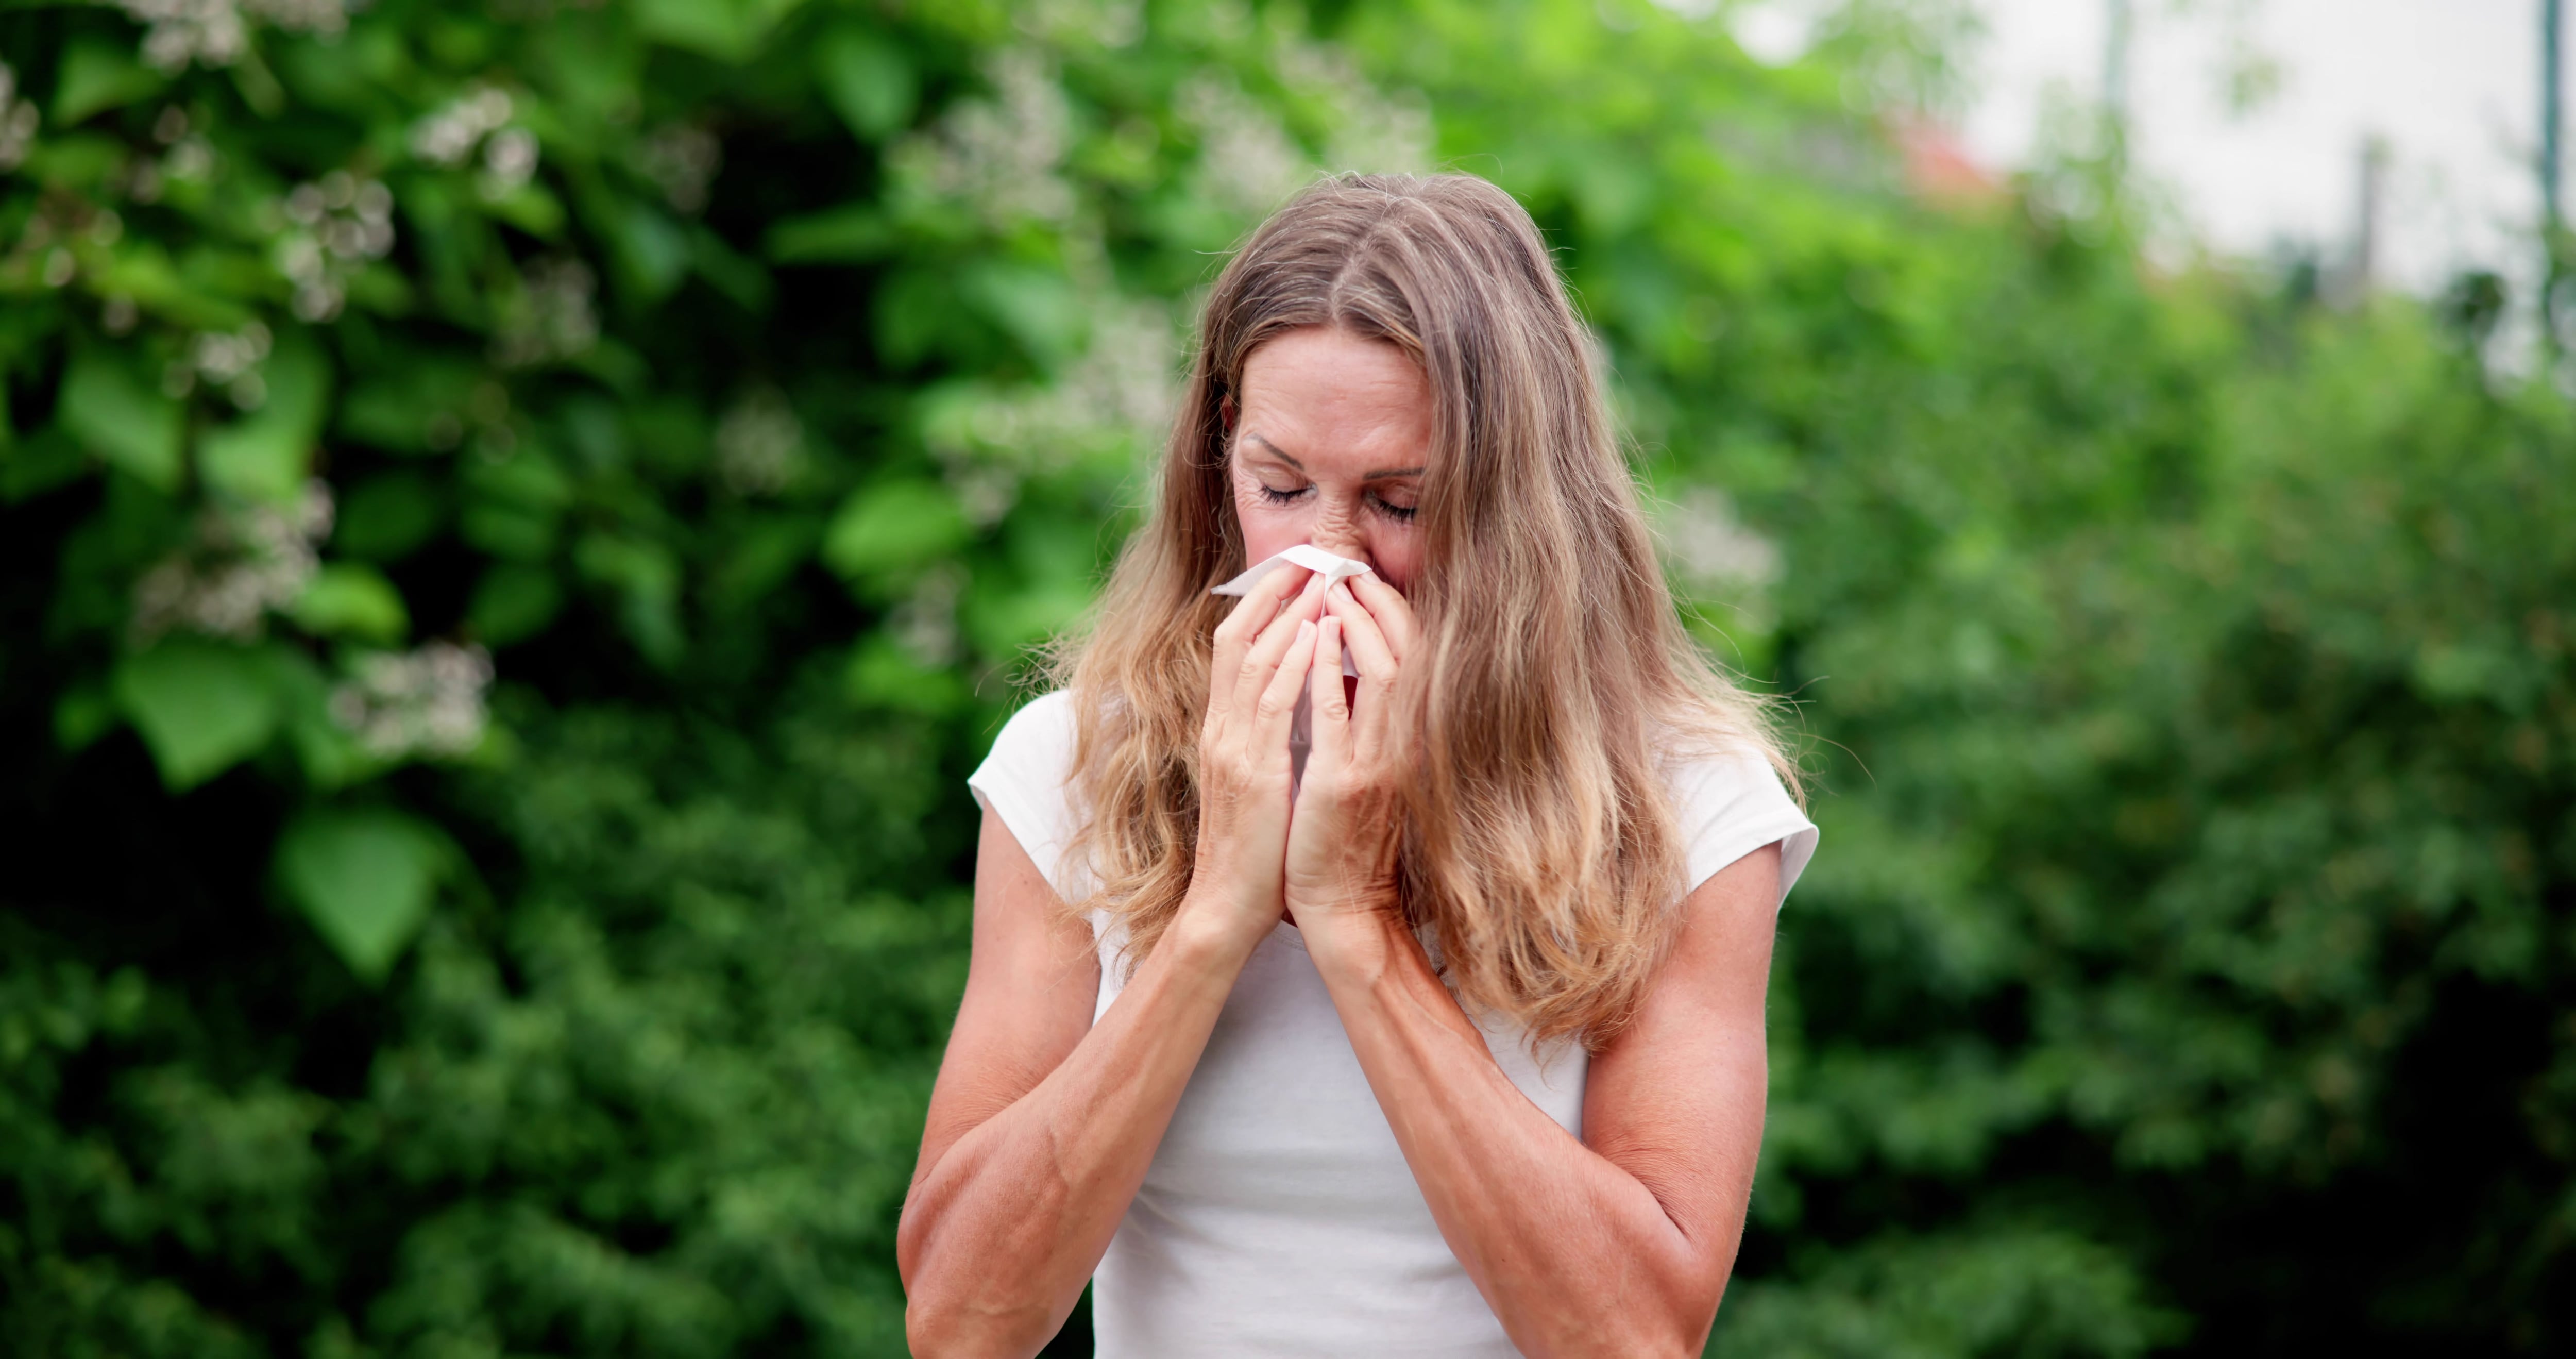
1332, 711
1278, 703
1393, 614
1242, 628
1263, 656
1377, 666
1251, 613
1370, 650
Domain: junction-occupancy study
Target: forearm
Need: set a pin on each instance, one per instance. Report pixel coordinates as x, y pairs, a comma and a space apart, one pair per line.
1000, 1233
1575, 1255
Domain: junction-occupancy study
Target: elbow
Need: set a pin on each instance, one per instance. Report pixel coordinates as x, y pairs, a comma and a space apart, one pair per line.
1672, 1320
952, 1310
1644, 1332
932, 1332
937, 1327
960, 1302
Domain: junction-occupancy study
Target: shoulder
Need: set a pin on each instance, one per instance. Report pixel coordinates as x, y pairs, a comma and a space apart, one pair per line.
1045, 725
1027, 778
1729, 801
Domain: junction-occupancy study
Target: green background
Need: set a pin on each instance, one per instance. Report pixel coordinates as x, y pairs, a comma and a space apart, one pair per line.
517, 520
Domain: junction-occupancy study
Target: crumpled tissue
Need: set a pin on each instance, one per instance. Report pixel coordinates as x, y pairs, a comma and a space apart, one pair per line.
1334, 570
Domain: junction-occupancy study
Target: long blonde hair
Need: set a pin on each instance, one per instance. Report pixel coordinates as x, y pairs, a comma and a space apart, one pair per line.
1552, 681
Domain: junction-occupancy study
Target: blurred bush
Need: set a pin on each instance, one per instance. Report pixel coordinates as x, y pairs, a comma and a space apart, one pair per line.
517, 520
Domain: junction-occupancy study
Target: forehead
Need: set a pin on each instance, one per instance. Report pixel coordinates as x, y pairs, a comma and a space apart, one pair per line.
1327, 392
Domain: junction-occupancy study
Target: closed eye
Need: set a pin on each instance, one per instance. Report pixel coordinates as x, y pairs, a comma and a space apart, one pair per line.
1393, 511
1277, 497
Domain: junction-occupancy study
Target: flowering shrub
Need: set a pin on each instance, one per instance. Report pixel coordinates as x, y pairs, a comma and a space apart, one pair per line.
516, 520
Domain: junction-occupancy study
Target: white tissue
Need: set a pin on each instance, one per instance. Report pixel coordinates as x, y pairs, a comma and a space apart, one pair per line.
1333, 569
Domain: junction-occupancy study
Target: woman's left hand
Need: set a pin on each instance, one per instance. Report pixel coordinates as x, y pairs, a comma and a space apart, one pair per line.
1343, 834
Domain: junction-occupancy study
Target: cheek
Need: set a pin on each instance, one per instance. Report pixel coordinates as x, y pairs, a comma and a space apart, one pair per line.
1268, 529
1396, 554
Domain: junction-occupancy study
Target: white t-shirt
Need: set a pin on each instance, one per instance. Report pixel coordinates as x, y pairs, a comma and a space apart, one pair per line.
1279, 1217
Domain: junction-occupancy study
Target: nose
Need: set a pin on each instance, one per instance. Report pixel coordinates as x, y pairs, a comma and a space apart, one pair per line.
1342, 540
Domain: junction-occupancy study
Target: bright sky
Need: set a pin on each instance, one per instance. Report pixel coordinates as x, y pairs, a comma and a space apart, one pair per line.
2453, 85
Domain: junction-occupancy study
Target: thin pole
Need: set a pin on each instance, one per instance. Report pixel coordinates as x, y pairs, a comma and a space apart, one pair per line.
2552, 225
2115, 74
2374, 189
2550, 16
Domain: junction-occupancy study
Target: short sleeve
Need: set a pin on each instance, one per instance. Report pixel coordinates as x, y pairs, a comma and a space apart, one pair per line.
1027, 781
1732, 804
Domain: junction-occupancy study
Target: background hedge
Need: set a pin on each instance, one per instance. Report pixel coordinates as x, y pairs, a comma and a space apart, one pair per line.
518, 518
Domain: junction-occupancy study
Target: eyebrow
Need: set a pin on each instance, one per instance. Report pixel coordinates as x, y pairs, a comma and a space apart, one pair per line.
1380, 474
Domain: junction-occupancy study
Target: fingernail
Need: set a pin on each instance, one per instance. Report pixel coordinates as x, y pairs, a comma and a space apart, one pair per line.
1305, 629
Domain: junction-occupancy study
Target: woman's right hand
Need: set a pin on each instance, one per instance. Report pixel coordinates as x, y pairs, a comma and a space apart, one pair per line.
1254, 677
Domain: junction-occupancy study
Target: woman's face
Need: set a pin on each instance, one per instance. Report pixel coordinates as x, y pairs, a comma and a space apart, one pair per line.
1329, 449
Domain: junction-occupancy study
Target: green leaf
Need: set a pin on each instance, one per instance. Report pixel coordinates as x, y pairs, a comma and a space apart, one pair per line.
267, 455
850, 234
881, 675
119, 418
651, 251
83, 714
347, 599
200, 707
762, 559
1038, 307
894, 526
867, 81
364, 879
739, 277
728, 30
530, 208
411, 398
96, 76
513, 602
646, 577
388, 517
33, 466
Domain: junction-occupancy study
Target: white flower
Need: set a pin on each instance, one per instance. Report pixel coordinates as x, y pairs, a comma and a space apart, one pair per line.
217, 32
423, 702
759, 445
338, 223
1374, 130
1712, 550
925, 623
1246, 159
242, 563
18, 119
550, 319
1119, 392
1000, 156
450, 135
682, 159
509, 160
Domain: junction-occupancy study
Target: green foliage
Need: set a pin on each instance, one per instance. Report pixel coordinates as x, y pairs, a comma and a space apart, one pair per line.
363, 878
517, 522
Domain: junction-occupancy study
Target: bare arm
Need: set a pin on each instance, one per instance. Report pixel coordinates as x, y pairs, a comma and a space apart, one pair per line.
1042, 1123
1619, 1244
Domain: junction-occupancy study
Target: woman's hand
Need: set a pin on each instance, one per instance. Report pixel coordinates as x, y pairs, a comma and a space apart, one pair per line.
1342, 841
1263, 652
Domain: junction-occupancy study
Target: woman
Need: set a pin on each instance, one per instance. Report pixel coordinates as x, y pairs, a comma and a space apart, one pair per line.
1449, 1043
